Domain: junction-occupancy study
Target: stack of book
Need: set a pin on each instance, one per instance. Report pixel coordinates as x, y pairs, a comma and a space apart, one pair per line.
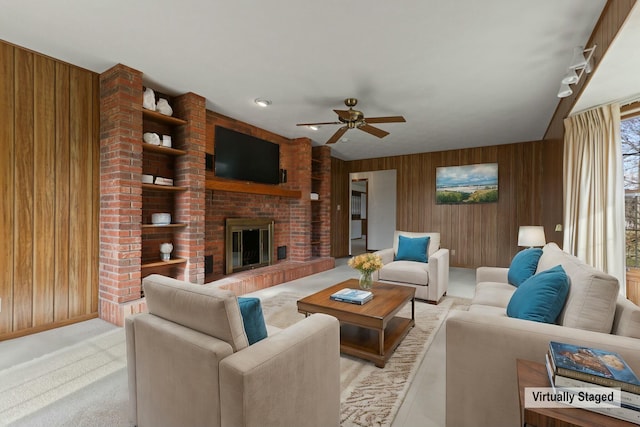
575, 366
353, 296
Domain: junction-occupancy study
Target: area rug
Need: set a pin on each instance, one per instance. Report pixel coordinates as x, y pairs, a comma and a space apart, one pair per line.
86, 384
371, 396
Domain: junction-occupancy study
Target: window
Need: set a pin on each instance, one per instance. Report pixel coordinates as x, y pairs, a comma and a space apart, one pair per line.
630, 136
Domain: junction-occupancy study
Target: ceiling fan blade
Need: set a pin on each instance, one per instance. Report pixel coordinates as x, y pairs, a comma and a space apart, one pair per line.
390, 119
336, 136
374, 131
323, 123
343, 114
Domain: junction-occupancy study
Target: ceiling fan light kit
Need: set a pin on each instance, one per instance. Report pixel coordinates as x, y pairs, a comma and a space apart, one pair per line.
355, 119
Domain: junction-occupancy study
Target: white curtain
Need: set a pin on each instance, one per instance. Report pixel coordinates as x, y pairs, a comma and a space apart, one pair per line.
594, 190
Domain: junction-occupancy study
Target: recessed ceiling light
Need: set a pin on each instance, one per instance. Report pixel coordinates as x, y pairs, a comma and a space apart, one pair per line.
262, 102
344, 139
312, 127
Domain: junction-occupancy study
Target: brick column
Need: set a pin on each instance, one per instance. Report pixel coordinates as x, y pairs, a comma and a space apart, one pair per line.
120, 190
190, 172
322, 169
300, 220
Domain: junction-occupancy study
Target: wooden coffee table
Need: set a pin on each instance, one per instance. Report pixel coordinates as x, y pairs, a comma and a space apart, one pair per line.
371, 331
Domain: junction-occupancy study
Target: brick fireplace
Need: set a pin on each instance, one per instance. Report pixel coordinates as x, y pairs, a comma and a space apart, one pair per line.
291, 216
203, 209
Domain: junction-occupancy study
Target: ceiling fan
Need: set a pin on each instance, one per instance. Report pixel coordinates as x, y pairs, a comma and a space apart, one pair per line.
354, 119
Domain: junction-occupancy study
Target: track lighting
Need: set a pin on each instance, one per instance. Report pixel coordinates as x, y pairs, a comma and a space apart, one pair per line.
579, 65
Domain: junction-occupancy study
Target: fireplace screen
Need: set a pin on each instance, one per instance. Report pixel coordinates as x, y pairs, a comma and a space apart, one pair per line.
249, 243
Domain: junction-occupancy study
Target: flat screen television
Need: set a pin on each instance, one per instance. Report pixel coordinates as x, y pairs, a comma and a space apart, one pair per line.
245, 157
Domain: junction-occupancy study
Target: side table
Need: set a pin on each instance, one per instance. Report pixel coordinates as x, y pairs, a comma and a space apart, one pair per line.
532, 374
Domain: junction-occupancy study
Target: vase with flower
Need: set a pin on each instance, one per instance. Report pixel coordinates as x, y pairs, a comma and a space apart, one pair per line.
366, 264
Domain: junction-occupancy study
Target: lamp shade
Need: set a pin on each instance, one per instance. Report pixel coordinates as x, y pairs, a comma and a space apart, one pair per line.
531, 235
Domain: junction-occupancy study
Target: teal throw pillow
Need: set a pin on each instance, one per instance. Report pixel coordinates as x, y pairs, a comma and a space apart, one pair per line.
412, 249
524, 265
541, 297
254, 325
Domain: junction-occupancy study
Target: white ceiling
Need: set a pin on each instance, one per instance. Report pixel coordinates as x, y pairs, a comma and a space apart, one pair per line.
463, 73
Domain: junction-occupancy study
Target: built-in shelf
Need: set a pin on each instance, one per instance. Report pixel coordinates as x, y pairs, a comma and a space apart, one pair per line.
155, 226
163, 187
162, 150
160, 263
214, 183
160, 197
162, 118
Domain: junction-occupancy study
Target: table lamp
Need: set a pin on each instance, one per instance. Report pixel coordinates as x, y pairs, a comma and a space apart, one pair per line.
531, 235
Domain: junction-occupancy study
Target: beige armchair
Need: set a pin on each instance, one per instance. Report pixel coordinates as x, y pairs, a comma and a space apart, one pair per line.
430, 279
190, 364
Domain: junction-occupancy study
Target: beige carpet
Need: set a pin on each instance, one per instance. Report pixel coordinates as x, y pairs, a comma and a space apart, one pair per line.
85, 384
63, 384
371, 396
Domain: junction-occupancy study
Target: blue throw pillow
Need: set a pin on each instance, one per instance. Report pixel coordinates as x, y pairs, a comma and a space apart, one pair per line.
412, 249
524, 265
541, 297
253, 319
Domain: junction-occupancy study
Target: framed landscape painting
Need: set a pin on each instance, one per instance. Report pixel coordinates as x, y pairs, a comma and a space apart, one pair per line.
468, 184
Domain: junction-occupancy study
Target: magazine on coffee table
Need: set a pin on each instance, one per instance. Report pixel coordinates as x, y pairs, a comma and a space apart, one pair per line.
352, 296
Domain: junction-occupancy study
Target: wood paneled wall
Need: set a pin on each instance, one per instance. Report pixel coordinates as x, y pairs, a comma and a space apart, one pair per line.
50, 192
484, 234
340, 214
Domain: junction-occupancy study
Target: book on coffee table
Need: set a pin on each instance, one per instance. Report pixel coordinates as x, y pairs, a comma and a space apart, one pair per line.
352, 296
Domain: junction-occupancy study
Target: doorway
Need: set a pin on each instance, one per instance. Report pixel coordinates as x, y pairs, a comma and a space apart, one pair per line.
359, 216
380, 210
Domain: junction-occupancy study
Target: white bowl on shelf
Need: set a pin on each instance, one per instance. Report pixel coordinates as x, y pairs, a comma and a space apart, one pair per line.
161, 218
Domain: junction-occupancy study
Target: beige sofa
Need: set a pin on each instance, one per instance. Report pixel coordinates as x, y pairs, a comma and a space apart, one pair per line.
482, 345
431, 279
189, 364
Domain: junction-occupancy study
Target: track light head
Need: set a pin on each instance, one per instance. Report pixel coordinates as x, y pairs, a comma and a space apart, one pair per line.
578, 60
564, 91
571, 77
